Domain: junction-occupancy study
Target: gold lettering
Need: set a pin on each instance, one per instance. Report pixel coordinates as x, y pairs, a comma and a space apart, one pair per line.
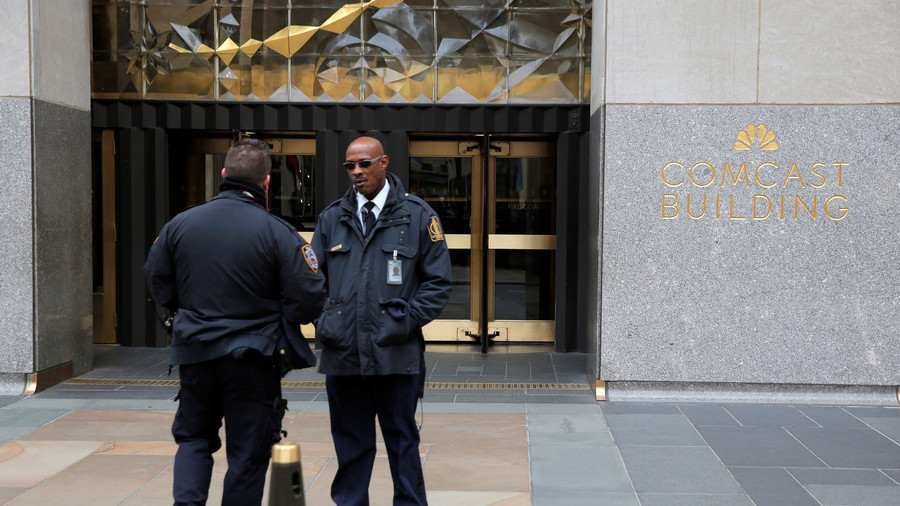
756, 216
840, 167
757, 175
817, 174
731, 211
667, 183
763, 206
713, 178
794, 169
799, 202
674, 205
846, 210
689, 207
734, 179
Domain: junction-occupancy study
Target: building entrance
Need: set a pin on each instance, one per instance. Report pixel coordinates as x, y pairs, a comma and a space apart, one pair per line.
497, 202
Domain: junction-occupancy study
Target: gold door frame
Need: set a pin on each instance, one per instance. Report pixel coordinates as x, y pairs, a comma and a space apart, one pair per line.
503, 330
515, 330
105, 299
449, 330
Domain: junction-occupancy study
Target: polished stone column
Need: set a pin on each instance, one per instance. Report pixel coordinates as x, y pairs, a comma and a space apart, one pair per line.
45, 215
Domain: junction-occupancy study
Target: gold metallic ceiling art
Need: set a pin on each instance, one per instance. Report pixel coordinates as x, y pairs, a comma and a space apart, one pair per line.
250, 47
147, 55
453, 51
342, 19
227, 51
179, 49
191, 37
290, 39
286, 41
204, 51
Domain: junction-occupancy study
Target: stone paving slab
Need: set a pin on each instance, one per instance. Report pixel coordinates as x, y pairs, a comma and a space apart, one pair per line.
772, 485
550, 447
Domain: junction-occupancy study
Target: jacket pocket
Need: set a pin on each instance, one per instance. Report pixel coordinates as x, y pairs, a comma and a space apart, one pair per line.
335, 326
393, 328
402, 251
396, 284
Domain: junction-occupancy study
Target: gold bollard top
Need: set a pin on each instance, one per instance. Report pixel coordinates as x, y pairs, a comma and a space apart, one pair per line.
285, 453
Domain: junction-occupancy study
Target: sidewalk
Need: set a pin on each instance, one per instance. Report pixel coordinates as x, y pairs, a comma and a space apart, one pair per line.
503, 428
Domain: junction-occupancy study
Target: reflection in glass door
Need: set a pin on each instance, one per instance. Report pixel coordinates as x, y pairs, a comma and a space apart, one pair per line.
498, 213
198, 172
522, 241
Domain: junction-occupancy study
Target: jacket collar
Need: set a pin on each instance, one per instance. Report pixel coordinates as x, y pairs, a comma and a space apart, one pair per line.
237, 187
395, 199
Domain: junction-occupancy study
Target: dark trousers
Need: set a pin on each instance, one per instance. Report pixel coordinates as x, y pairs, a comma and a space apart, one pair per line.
354, 402
246, 391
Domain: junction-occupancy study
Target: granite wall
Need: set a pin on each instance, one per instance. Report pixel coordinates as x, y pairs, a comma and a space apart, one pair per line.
16, 245
736, 258
62, 234
751, 265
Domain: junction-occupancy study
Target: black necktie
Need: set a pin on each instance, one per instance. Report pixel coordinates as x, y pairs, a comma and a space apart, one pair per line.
368, 218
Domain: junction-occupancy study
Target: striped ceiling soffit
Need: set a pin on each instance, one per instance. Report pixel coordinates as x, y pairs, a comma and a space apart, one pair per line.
435, 118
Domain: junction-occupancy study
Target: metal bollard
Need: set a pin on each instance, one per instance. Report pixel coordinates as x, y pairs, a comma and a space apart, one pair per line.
286, 483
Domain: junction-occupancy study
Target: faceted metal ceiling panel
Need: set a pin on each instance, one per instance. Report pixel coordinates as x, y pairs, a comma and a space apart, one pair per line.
446, 51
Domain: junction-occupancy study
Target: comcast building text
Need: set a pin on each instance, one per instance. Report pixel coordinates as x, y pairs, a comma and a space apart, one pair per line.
763, 192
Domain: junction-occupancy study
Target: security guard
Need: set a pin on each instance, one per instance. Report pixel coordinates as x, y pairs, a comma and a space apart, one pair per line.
233, 272
387, 270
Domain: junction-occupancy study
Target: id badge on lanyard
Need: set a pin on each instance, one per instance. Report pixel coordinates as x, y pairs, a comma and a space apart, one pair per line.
394, 271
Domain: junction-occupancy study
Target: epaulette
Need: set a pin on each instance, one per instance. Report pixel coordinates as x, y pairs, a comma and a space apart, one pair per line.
329, 206
420, 202
413, 198
188, 208
283, 221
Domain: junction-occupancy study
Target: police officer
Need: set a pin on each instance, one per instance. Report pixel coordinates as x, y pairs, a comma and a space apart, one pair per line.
233, 272
387, 270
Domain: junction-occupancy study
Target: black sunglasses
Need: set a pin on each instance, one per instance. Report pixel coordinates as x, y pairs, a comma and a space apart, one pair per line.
362, 163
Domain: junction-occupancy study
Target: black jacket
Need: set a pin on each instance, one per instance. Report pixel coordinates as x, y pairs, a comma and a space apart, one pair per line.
364, 329
231, 270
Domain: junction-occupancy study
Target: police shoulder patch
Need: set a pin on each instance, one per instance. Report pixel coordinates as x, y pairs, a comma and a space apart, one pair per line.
434, 229
311, 259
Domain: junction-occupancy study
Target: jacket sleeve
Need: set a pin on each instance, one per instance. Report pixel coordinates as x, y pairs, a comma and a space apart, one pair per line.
319, 240
302, 282
159, 272
433, 270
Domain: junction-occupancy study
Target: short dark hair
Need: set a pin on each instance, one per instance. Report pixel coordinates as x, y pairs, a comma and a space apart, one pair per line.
248, 160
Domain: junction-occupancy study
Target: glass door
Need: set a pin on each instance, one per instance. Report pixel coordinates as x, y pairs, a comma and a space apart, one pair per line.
104, 236
521, 228
449, 176
198, 172
499, 214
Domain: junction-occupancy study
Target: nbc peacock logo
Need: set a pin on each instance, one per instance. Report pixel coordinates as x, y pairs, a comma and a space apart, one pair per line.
728, 191
756, 134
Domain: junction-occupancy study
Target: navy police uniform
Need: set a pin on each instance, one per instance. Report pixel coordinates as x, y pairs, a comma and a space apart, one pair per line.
382, 288
231, 270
